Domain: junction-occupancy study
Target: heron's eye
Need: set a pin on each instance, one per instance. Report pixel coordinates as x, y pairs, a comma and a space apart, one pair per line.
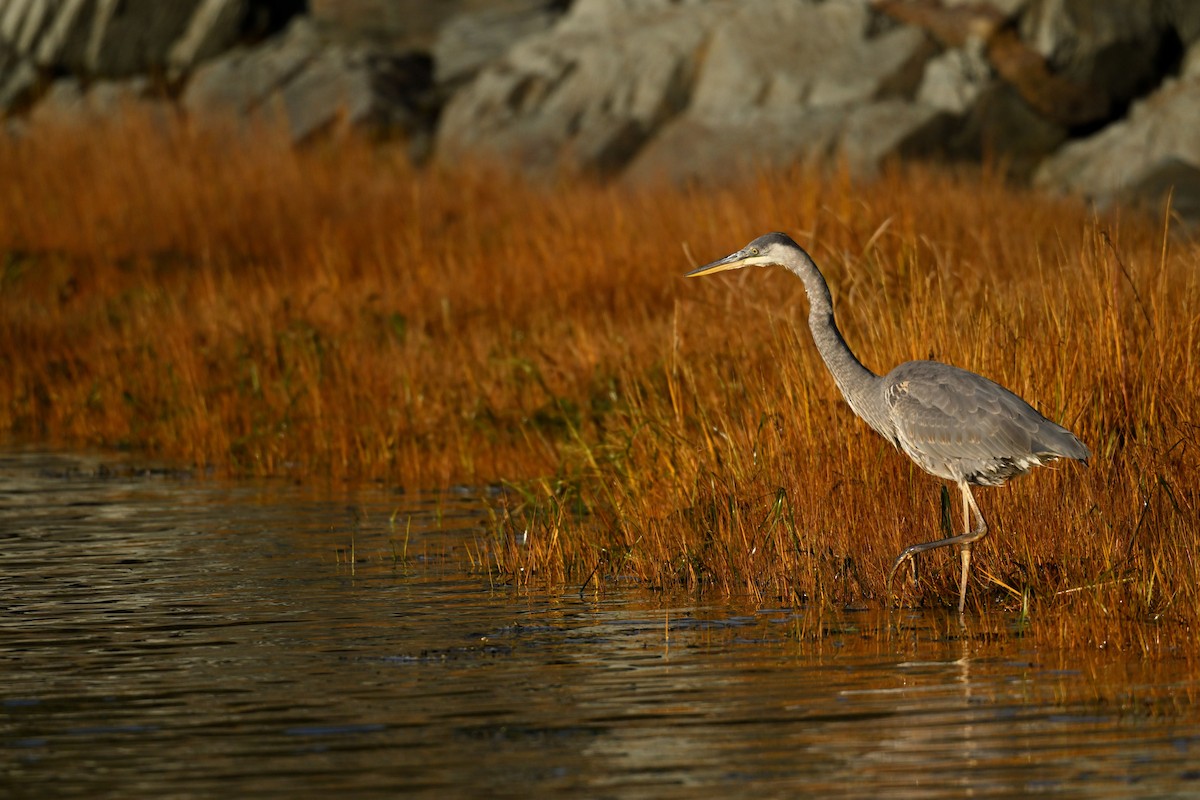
753, 251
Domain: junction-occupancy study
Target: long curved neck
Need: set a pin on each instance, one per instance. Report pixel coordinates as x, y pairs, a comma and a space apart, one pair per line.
861, 387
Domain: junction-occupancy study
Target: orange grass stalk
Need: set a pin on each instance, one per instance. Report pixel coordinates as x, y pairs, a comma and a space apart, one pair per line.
227, 301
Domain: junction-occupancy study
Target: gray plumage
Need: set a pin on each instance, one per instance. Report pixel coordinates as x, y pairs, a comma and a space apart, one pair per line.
953, 423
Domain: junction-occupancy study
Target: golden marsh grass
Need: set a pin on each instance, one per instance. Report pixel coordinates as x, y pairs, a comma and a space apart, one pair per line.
233, 303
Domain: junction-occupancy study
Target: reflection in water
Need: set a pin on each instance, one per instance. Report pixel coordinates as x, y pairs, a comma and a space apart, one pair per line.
161, 636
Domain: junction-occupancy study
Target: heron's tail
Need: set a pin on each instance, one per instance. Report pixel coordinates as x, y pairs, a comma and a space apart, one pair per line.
1061, 443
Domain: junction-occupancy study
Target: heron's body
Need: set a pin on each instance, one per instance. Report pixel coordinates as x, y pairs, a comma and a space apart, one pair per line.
953, 423
963, 427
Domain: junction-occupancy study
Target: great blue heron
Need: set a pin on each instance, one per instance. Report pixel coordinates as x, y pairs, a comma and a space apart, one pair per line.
954, 424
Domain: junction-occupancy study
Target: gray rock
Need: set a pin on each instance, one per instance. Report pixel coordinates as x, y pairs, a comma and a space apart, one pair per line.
585, 95
1170, 179
23, 23
781, 53
68, 103
599, 15
783, 82
1191, 63
214, 27
1139, 156
239, 83
955, 80
309, 84
1183, 16
877, 132
59, 37
470, 41
711, 149
113, 39
1009, 8
1001, 127
1111, 46
611, 75
953, 26
19, 80
119, 38
401, 24
333, 88
64, 96
1010, 106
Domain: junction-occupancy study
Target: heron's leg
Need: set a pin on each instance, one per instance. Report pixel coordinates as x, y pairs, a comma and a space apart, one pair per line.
909, 553
964, 550
966, 540
966, 506
963, 540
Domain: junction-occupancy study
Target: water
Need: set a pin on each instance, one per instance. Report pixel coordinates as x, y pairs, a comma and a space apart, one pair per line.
163, 637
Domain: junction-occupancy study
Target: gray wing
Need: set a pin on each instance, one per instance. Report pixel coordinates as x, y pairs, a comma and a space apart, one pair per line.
962, 426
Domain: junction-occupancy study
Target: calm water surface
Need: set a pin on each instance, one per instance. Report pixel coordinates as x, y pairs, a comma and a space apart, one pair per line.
161, 637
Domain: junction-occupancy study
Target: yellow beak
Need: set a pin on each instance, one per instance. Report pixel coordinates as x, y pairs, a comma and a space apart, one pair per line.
731, 261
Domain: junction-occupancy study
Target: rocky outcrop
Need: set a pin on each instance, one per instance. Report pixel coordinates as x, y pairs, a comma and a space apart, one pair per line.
1111, 50
309, 84
471, 41
107, 39
1038, 75
419, 24
69, 103
814, 90
586, 94
215, 26
1090, 96
1141, 160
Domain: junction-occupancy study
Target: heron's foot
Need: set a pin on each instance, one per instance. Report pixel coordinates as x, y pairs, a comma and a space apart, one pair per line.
900, 559
909, 553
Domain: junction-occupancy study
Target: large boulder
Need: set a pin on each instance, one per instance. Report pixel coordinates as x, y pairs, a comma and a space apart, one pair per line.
864, 136
310, 84
1007, 8
101, 41
244, 79
1139, 160
956, 79
708, 149
1183, 17
118, 39
683, 88
400, 23
783, 54
470, 41
1002, 128
68, 102
1115, 48
214, 27
585, 95
19, 81
409, 24
877, 132
784, 81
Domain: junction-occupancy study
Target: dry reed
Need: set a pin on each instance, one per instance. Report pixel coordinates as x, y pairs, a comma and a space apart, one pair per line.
223, 300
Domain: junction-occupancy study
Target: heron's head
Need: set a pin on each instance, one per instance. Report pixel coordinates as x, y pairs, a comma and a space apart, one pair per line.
773, 248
